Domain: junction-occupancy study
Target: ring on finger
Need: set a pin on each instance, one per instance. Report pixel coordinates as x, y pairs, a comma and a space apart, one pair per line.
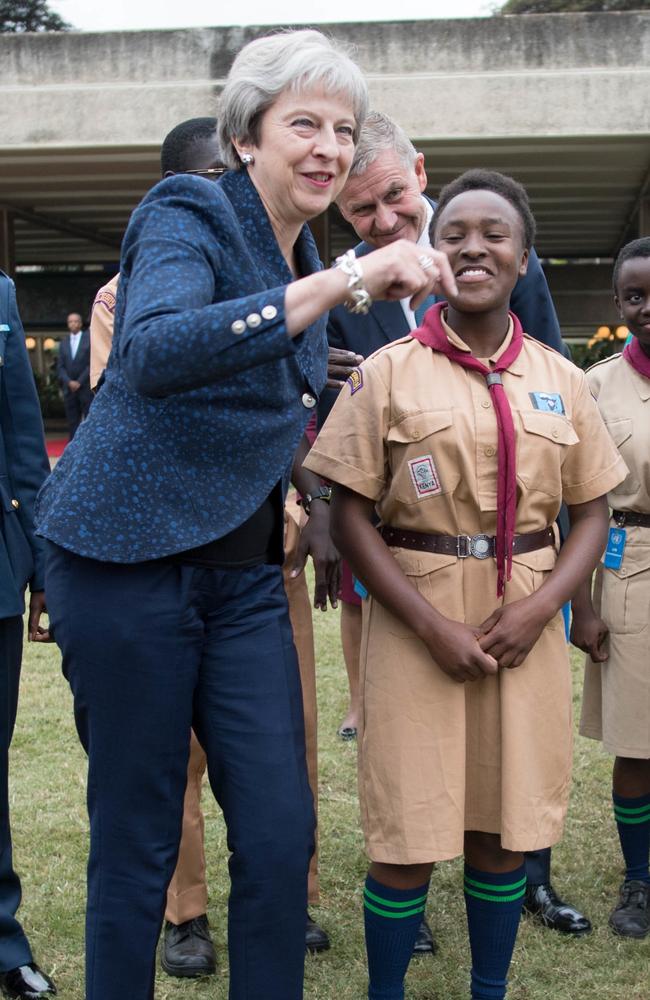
425, 262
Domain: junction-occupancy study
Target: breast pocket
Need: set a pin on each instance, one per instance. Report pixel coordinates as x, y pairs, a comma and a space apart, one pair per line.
541, 448
626, 592
621, 431
423, 456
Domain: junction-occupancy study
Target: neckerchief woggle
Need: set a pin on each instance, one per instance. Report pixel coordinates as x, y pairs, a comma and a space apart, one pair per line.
432, 334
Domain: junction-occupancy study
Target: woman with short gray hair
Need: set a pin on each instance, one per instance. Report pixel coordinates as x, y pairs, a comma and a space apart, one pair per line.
164, 517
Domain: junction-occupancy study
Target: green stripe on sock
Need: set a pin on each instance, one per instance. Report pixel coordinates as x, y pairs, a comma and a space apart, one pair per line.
393, 916
495, 899
391, 904
631, 820
633, 812
521, 884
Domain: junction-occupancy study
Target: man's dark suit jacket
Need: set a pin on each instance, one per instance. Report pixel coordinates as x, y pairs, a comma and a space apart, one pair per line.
75, 369
531, 301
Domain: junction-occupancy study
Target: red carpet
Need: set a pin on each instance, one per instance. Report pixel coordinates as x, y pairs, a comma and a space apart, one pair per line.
55, 446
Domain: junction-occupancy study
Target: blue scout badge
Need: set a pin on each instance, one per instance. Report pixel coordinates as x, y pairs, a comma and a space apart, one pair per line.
615, 548
360, 589
549, 402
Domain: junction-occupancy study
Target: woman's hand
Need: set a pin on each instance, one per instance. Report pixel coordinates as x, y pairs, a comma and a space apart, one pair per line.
404, 269
456, 650
589, 633
511, 631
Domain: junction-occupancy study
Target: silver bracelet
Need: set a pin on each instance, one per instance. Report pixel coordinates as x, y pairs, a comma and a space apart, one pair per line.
359, 300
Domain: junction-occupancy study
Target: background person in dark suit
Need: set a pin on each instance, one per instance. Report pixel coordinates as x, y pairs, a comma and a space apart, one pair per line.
384, 201
23, 467
74, 372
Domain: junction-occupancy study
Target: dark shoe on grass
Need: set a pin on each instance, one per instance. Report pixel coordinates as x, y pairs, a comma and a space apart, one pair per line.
631, 916
26, 982
543, 902
424, 942
187, 949
316, 939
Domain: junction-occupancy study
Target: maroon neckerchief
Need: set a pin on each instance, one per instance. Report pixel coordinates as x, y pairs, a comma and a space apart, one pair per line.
432, 334
637, 357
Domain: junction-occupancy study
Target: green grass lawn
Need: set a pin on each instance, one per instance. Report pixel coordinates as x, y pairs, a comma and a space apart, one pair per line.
50, 843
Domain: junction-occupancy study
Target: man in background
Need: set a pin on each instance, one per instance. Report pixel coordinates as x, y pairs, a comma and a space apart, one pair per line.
74, 372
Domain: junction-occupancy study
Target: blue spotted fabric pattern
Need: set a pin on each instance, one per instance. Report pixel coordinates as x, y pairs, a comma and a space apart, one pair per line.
206, 395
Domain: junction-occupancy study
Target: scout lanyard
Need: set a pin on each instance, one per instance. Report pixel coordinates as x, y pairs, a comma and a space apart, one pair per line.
432, 334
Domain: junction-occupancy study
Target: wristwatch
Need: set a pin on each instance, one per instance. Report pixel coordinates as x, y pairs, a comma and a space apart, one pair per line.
322, 493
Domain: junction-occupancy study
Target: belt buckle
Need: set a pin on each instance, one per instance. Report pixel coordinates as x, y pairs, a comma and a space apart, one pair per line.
479, 546
620, 519
463, 546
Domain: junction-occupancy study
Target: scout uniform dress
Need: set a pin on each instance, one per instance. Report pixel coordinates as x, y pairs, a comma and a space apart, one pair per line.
616, 698
417, 433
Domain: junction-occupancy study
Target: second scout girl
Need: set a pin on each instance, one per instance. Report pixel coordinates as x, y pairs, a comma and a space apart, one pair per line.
616, 700
465, 437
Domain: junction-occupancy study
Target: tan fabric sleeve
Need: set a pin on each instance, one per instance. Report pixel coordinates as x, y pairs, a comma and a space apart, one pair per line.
351, 447
593, 466
101, 329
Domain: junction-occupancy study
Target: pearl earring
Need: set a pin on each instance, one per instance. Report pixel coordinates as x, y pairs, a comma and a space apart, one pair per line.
247, 159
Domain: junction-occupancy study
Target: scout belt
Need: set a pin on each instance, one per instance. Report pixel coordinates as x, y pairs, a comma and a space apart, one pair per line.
633, 517
462, 546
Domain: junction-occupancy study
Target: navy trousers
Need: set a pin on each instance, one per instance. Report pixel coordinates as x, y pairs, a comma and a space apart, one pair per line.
150, 650
14, 949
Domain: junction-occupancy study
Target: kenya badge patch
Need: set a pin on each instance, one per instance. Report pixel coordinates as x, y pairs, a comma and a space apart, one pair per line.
424, 476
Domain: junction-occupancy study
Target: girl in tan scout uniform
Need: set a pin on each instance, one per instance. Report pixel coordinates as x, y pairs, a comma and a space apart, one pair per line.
465, 437
616, 701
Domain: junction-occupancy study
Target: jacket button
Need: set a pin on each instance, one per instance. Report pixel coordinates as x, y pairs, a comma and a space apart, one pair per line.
15, 504
253, 320
269, 312
308, 400
2, 360
238, 326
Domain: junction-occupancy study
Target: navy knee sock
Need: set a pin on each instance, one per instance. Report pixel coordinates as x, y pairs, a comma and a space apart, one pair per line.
392, 918
493, 905
633, 822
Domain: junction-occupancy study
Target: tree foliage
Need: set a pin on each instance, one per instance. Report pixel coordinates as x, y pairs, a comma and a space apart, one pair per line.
29, 15
570, 6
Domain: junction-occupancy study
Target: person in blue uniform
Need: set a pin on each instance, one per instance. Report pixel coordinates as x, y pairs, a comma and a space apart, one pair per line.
165, 518
23, 468
384, 201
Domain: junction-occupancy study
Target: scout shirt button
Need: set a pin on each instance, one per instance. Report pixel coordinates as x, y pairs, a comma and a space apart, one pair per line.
269, 312
238, 326
486, 404
15, 504
253, 320
490, 452
415, 434
308, 400
555, 432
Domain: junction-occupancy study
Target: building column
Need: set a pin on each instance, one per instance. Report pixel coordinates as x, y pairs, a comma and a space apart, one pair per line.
320, 227
644, 217
7, 245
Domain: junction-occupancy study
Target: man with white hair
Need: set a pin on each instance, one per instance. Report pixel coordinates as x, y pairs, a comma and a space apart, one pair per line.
384, 200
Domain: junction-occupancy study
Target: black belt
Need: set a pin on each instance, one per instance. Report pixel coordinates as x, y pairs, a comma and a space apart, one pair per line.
623, 517
462, 546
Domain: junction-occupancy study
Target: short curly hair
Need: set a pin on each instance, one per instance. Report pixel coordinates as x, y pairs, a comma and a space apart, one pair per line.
489, 180
637, 248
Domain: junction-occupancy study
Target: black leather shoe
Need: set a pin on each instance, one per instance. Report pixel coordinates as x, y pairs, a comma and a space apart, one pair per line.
543, 902
26, 981
187, 950
631, 916
424, 942
316, 939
